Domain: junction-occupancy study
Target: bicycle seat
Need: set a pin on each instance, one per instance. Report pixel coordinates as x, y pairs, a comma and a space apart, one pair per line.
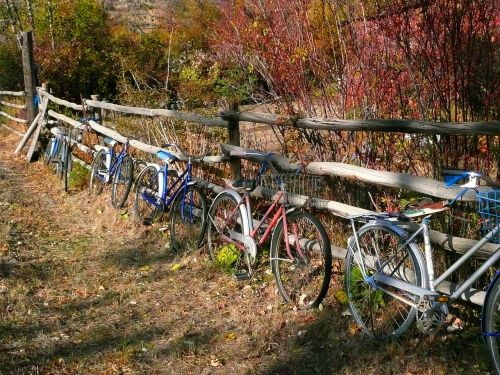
244, 184
57, 130
166, 156
110, 141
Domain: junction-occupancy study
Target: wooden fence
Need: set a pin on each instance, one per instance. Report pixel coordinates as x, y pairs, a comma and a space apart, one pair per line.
231, 120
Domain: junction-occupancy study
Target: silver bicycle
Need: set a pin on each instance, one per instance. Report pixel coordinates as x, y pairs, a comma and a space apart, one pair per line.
390, 284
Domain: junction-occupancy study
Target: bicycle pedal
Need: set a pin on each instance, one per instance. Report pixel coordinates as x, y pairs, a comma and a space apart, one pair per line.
242, 276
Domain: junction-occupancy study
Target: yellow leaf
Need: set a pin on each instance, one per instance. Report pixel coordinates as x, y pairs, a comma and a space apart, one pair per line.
230, 336
341, 296
176, 267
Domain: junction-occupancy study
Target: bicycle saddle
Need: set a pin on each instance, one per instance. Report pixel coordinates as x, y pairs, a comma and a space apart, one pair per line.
57, 130
109, 141
166, 156
245, 184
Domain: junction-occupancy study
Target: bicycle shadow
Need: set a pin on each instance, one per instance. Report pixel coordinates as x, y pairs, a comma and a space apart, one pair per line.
334, 345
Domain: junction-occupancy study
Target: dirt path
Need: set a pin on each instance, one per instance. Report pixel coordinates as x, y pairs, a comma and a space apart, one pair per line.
84, 290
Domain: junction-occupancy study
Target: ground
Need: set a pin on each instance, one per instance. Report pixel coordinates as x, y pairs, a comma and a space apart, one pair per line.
85, 290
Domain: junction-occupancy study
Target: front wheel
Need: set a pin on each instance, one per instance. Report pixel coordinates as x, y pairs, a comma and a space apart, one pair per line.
188, 215
303, 271
224, 217
122, 182
382, 312
98, 173
47, 155
491, 325
66, 165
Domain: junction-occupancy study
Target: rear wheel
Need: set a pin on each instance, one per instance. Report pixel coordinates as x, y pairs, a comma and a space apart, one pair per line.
188, 215
147, 205
377, 312
491, 327
225, 216
122, 182
98, 173
66, 165
302, 274
47, 155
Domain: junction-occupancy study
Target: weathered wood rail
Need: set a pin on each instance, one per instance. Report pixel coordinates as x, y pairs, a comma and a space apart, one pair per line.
12, 105
399, 126
229, 119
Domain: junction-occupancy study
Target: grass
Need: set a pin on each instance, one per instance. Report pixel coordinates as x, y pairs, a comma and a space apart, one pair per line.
85, 290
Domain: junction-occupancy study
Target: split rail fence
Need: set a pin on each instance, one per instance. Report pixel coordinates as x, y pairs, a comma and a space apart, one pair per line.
231, 120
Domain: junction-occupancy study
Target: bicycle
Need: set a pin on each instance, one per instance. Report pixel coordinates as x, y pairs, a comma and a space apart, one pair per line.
159, 188
109, 165
58, 151
390, 285
300, 254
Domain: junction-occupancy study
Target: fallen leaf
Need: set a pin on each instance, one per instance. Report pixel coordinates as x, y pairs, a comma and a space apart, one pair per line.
176, 267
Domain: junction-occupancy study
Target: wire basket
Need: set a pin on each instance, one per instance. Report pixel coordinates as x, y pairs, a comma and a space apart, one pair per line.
488, 208
300, 187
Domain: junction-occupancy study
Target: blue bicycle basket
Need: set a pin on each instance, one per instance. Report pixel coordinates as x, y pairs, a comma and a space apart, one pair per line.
488, 208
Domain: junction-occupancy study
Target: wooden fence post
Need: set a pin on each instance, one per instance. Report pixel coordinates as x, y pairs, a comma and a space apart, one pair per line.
29, 74
96, 112
234, 139
38, 127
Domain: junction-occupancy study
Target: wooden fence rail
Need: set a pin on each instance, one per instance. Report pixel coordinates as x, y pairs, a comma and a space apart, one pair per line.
13, 93
399, 126
13, 105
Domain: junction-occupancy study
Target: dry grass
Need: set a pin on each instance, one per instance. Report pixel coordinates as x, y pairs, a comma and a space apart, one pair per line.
85, 290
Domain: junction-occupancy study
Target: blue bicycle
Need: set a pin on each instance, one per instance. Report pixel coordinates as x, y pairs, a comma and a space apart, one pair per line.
159, 188
111, 166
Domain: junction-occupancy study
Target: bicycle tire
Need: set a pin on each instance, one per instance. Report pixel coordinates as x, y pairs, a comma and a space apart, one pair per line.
122, 182
146, 187
303, 280
47, 154
491, 327
376, 312
187, 227
66, 166
98, 168
223, 254
59, 159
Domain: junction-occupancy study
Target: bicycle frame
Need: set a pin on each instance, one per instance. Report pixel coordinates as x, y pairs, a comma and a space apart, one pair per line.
167, 195
111, 165
280, 213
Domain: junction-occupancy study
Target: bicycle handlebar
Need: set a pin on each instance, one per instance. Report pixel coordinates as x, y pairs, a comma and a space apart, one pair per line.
458, 174
182, 151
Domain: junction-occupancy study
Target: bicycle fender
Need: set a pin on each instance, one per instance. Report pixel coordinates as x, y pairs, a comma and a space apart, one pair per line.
99, 148
242, 208
488, 292
154, 165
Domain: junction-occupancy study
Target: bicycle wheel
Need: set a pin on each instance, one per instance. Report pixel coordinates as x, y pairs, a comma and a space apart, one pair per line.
98, 173
491, 325
374, 310
147, 205
58, 159
188, 215
122, 182
66, 164
47, 154
303, 274
224, 215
